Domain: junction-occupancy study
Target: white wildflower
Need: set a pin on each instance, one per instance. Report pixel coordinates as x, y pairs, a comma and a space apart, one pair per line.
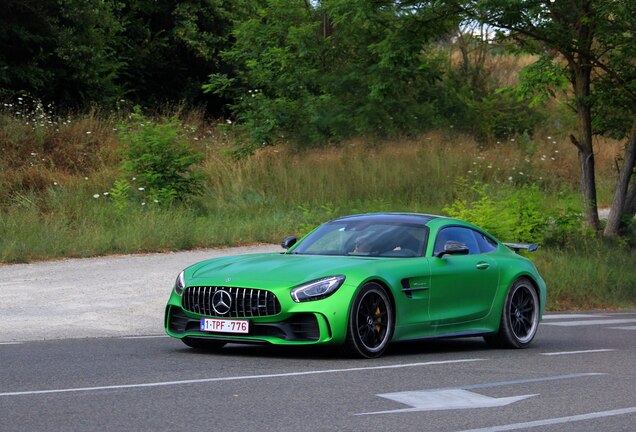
96, 196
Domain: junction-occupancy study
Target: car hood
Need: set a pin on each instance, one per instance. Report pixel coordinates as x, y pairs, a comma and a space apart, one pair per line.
273, 270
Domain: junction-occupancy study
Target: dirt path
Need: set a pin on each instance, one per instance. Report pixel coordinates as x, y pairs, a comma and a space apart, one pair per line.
92, 297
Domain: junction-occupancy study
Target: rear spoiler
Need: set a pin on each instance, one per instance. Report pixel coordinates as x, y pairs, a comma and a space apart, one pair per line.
518, 246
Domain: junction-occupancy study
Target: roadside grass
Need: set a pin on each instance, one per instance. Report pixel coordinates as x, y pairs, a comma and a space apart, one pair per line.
50, 175
588, 274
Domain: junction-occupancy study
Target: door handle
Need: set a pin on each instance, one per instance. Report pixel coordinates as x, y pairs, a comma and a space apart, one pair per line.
482, 266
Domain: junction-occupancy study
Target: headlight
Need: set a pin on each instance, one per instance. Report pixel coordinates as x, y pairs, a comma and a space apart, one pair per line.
318, 289
179, 284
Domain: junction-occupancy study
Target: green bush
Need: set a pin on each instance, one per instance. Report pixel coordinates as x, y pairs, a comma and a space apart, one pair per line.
161, 160
522, 214
494, 115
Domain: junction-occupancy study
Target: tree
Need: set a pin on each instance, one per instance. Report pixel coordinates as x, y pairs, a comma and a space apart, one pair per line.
60, 50
316, 72
80, 52
169, 47
592, 38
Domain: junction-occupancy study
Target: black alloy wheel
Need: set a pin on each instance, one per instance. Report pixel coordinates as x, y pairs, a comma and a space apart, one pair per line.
520, 317
371, 322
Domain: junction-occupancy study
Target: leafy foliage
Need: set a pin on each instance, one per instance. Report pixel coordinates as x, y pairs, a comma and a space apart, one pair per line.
119, 194
79, 52
60, 50
329, 71
169, 48
519, 214
162, 161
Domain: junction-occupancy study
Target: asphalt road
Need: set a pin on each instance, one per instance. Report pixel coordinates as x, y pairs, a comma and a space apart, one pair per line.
579, 375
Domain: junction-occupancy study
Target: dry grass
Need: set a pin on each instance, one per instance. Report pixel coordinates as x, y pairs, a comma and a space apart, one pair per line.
48, 209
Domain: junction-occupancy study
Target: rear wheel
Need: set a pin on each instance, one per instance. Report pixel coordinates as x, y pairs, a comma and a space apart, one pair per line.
203, 344
371, 322
519, 318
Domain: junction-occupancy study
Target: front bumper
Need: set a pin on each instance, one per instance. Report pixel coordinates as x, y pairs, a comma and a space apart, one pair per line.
301, 328
307, 323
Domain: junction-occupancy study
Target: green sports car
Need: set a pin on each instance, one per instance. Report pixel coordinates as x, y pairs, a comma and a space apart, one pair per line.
362, 282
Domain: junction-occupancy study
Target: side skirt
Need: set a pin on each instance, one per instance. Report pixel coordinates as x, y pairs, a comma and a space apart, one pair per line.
451, 335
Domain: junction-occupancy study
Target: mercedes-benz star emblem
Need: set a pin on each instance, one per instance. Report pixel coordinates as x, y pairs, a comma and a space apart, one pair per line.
221, 302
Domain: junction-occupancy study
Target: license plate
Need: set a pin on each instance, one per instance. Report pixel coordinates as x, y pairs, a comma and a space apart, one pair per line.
225, 325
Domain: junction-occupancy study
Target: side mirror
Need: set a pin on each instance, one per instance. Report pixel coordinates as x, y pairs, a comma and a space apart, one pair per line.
453, 248
288, 242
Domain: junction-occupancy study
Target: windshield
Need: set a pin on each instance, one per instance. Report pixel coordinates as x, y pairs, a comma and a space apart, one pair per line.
365, 238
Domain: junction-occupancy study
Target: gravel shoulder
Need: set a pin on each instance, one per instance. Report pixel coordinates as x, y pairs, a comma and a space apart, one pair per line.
95, 297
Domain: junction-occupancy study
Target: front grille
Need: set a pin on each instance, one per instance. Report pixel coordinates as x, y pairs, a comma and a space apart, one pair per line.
245, 302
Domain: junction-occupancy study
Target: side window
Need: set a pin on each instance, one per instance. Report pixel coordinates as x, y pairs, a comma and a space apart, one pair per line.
486, 244
458, 234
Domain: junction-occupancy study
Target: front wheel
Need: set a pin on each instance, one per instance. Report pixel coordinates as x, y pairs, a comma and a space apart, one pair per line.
371, 322
519, 318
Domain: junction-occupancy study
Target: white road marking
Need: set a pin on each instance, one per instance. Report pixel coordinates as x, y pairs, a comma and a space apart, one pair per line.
10, 343
553, 421
144, 337
624, 328
437, 400
570, 316
461, 398
235, 378
591, 322
620, 313
528, 381
578, 352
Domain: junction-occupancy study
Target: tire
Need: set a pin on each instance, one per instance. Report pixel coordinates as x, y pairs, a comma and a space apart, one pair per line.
519, 317
203, 344
371, 323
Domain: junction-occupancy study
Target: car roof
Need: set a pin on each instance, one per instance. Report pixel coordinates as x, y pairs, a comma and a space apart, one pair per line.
417, 218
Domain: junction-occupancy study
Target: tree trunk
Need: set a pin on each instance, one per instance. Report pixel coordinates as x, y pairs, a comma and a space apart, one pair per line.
630, 202
619, 204
584, 142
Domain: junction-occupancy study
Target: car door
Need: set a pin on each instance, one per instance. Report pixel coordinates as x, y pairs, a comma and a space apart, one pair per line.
462, 286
